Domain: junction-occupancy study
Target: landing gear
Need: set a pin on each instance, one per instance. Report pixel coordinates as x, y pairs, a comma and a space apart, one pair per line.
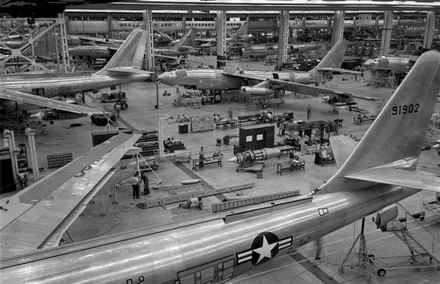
217, 97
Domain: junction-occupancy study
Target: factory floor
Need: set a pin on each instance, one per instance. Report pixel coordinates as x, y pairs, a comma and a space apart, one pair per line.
114, 210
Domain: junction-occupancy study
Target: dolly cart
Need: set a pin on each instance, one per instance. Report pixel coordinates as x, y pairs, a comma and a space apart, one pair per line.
433, 207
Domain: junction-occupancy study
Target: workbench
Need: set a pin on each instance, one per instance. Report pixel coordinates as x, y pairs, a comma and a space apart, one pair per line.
225, 123
324, 161
360, 120
208, 161
287, 149
290, 165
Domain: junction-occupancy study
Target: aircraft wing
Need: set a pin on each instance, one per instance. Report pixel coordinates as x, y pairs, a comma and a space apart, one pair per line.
167, 58
424, 181
339, 70
45, 102
306, 89
342, 147
37, 216
289, 86
185, 48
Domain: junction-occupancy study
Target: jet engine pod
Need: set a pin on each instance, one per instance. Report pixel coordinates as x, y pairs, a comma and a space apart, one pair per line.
280, 92
328, 77
383, 63
384, 216
256, 91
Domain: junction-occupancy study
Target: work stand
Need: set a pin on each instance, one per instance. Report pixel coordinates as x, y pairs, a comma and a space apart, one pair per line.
140, 164
362, 255
250, 167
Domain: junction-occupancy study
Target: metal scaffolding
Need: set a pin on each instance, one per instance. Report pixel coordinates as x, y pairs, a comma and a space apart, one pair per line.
21, 38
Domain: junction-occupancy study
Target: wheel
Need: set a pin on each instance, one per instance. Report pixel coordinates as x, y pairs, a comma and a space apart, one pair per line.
381, 272
217, 98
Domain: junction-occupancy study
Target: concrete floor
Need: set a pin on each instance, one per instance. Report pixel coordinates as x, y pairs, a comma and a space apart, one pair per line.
114, 210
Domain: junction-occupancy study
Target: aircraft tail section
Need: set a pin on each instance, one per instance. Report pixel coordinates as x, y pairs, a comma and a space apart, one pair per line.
188, 38
333, 59
243, 30
130, 54
396, 137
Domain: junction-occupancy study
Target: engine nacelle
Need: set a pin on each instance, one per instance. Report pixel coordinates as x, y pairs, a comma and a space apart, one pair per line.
256, 91
327, 77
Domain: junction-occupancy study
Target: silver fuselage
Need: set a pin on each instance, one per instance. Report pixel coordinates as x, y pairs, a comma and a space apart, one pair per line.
395, 65
214, 248
92, 51
206, 79
49, 85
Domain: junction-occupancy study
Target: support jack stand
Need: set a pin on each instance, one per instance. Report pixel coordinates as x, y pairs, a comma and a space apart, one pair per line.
362, 255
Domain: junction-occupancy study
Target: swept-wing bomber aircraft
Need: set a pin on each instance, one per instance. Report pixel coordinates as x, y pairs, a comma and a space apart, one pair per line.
371, 175
271, 84
123, 68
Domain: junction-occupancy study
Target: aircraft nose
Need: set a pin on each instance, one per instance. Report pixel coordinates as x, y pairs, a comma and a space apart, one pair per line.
166, 76
233, 160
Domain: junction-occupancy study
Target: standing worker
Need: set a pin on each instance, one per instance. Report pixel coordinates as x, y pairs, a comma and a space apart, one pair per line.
118, 107
201, 157
282, 128
309, 111
134, 181
230, 113
436, 146
144, 178
318, 249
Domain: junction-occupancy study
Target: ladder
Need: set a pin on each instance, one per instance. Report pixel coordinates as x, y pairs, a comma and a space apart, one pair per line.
197, 100
418, 252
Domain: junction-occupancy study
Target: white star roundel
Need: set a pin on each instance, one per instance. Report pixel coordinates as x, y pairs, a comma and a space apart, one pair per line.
264, 248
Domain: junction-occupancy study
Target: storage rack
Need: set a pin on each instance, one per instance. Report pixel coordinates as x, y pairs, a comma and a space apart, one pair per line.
148, 142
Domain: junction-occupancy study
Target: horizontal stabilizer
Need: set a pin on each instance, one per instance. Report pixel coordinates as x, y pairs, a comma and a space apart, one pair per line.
338, 70
125, 71
342, 147
424, 181
25, 98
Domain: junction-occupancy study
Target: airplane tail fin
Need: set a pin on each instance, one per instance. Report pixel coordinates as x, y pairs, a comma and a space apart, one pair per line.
398, 133
243, 30
188, 38
130, 54
333, 58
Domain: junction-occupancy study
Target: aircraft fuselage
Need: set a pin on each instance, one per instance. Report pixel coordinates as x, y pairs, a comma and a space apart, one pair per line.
215, 249
92, 51
175, 52
394, 65
216, 80
52, 85
204, 79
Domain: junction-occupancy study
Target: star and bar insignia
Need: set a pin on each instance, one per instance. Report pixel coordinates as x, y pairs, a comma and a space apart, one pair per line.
264, 247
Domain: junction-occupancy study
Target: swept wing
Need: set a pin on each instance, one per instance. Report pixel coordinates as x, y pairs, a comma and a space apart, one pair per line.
37, 216
289, 86
26, 98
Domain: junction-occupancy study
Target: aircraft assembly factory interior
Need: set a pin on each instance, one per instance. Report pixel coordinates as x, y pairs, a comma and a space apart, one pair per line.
186, 142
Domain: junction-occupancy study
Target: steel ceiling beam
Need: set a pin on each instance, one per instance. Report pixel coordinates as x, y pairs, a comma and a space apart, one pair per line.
264, 5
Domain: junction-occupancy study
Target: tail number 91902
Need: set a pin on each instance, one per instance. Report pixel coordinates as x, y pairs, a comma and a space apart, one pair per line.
404, 109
